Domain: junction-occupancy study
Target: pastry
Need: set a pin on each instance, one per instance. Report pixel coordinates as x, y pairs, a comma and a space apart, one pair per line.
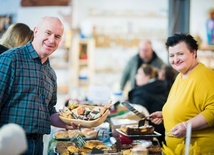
135, 130
61, 134
139, 150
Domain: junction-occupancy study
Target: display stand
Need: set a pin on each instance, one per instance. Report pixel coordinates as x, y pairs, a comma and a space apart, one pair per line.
81, 60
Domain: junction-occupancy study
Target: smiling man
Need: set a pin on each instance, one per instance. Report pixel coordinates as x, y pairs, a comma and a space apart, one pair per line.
28, 88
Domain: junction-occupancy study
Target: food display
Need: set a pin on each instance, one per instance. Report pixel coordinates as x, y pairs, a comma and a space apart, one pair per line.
85, 115
68, 148
140, 148
83, 112
86, 133
86, 140
135, 130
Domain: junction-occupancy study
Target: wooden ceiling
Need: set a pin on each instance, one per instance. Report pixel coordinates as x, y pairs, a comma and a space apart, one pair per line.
35, 3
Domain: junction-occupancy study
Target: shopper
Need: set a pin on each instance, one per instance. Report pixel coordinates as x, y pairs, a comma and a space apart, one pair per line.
28, 88
145, 55
168, 74
191, 98
150, 92
17, 34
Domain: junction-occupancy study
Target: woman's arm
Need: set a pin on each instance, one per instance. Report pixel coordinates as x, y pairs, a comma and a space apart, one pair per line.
197, 123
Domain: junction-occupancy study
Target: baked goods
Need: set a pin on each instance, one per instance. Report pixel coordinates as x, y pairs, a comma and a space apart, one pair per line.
95, 143
71, 133
83, 112
89, 132
69, 148
61, 148
155, 149
65, 112
139, 150
61, 134
135, 130
72, 149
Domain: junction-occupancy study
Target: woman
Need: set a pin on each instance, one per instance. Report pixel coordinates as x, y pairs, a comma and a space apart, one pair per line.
191, 98
16, 35
150, 93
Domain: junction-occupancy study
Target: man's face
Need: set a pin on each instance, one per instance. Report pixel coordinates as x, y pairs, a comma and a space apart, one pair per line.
145, 52
47, 37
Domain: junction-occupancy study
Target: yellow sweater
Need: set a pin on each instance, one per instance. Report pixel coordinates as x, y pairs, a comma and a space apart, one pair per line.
187, 98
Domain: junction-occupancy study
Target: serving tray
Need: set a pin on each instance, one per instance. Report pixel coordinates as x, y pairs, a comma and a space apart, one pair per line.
154, 134
88, 123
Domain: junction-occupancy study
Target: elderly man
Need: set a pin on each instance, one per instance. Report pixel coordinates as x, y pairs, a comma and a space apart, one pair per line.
28, 85
145, 55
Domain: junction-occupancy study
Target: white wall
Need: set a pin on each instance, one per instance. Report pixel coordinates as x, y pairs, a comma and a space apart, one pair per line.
30, 15
122, 16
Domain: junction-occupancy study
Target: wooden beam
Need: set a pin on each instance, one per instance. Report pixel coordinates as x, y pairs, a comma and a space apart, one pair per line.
35, 3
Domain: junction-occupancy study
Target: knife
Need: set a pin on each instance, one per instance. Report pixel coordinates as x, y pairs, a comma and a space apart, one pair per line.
132, 109
144, 119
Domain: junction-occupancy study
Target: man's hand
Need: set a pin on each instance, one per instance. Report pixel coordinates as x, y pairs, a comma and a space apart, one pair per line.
72, 126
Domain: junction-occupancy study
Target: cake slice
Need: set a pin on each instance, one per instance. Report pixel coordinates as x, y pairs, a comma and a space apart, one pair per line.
135, 130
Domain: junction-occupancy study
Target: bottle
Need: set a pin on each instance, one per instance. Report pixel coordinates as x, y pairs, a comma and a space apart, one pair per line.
116, 96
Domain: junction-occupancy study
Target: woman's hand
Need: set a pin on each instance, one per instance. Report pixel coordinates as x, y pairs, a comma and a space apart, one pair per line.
179, 130
156, 117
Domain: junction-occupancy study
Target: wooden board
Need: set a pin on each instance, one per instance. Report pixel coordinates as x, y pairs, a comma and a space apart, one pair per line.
26, 3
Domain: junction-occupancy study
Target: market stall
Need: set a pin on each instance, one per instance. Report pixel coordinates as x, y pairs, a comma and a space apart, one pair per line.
102, 135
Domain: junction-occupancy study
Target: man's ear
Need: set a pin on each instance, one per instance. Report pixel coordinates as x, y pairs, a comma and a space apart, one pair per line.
35, 30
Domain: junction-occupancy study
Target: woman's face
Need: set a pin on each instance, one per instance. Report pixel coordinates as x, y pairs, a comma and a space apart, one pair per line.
141, 78
181, 58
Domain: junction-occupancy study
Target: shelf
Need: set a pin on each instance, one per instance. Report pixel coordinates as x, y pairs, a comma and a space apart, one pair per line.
81, 67
206, 48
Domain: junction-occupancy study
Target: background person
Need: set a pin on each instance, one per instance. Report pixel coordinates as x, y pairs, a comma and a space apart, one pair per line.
145, 55
150, 92
191, 98
28, 88
17, 34
168, 74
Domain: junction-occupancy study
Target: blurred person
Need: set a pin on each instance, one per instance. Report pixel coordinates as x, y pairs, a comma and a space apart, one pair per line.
12, 139
17, 34
28, 85
150, 92
168, 74
145, 55
191, 98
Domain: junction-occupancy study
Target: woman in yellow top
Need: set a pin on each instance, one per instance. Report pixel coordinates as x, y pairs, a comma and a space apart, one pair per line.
191, 98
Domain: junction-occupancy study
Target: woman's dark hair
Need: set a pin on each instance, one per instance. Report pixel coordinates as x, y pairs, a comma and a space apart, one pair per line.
181, 37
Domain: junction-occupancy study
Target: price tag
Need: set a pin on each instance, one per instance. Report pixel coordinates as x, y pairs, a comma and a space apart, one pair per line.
78, 140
